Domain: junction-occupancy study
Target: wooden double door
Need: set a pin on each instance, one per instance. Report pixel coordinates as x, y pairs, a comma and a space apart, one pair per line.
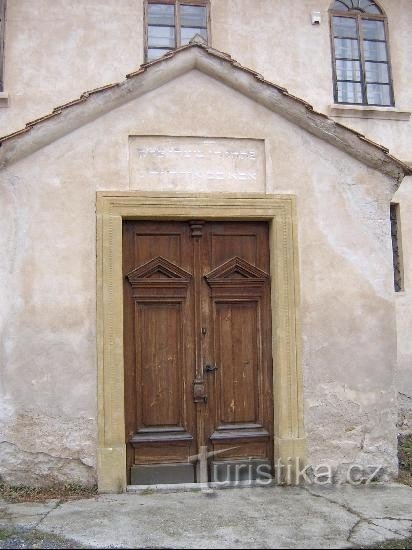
197, 340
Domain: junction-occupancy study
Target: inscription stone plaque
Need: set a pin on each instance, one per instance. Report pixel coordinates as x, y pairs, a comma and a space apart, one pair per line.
166, 163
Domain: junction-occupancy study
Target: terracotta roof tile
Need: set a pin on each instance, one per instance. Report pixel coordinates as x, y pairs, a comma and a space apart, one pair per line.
16, 133
70, 104
102, 88
136, 73
54, 113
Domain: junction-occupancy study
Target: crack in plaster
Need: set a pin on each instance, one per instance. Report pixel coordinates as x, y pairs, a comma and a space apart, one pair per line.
72, 459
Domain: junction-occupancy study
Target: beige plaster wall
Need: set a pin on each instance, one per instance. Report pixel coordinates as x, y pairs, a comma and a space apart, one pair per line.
55, 50
47, 226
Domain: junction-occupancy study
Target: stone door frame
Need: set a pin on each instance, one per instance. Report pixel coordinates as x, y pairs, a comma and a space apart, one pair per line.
280, 212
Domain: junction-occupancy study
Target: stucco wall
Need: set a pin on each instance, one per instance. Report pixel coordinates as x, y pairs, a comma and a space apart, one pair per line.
47, 299
56, 50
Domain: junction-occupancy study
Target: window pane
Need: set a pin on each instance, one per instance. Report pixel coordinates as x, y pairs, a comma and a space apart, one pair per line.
340, 5
349, 92
373, 30
368, 6
161, 36
374, 51
161, 14
193, 16
188, 33
155, 53
348, 70
345, 47
345, 27
376, 72
378, 94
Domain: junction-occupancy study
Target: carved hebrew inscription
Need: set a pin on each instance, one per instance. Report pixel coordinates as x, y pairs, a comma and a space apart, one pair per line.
163, 163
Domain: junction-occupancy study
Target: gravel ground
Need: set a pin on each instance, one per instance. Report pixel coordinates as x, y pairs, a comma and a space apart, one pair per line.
22, 538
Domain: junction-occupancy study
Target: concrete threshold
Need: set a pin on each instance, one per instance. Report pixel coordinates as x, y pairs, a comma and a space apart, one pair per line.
202, 487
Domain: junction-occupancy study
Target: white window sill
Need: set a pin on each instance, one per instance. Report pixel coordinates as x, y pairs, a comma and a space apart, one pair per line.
366, 111
4, 99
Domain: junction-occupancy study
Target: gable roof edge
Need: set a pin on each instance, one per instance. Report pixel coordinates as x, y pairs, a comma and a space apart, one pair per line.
218, 65
302, 114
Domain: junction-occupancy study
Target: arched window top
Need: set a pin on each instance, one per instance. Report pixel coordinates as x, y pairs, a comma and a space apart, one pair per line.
362, 6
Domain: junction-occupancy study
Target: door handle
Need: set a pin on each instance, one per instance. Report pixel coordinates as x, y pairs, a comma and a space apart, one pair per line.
210, 368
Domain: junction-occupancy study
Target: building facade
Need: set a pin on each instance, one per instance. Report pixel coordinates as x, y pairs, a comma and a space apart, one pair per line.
200, 254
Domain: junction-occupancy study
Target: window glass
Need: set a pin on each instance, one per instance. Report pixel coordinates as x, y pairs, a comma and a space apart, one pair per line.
348, 48
373, 30
374, 51
161, 14
376, 72
161, 36
345, 27
366, 6
348, 70
193, 16
378, 94
188, 33
349, 92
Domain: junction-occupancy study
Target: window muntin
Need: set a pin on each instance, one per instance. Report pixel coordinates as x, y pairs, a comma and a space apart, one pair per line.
171, 24
361, 66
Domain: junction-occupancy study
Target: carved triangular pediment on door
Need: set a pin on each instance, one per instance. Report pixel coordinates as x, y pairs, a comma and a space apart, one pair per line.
158, 272
236, 271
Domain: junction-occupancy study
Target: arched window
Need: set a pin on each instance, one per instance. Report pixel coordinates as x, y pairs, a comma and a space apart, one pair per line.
361, 65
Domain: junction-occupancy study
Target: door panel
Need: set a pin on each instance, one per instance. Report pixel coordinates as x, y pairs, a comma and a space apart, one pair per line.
237, 356
159, 352
198, 370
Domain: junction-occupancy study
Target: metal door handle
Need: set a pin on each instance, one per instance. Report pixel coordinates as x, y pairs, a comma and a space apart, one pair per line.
210, 368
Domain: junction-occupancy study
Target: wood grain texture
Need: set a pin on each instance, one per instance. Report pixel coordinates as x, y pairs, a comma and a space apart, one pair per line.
197, 294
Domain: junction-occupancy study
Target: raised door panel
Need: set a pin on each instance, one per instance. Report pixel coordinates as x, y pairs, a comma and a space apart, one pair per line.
158, 364
238, 356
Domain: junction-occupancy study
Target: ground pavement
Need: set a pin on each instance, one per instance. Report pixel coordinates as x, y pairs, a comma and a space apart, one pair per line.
272, 517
